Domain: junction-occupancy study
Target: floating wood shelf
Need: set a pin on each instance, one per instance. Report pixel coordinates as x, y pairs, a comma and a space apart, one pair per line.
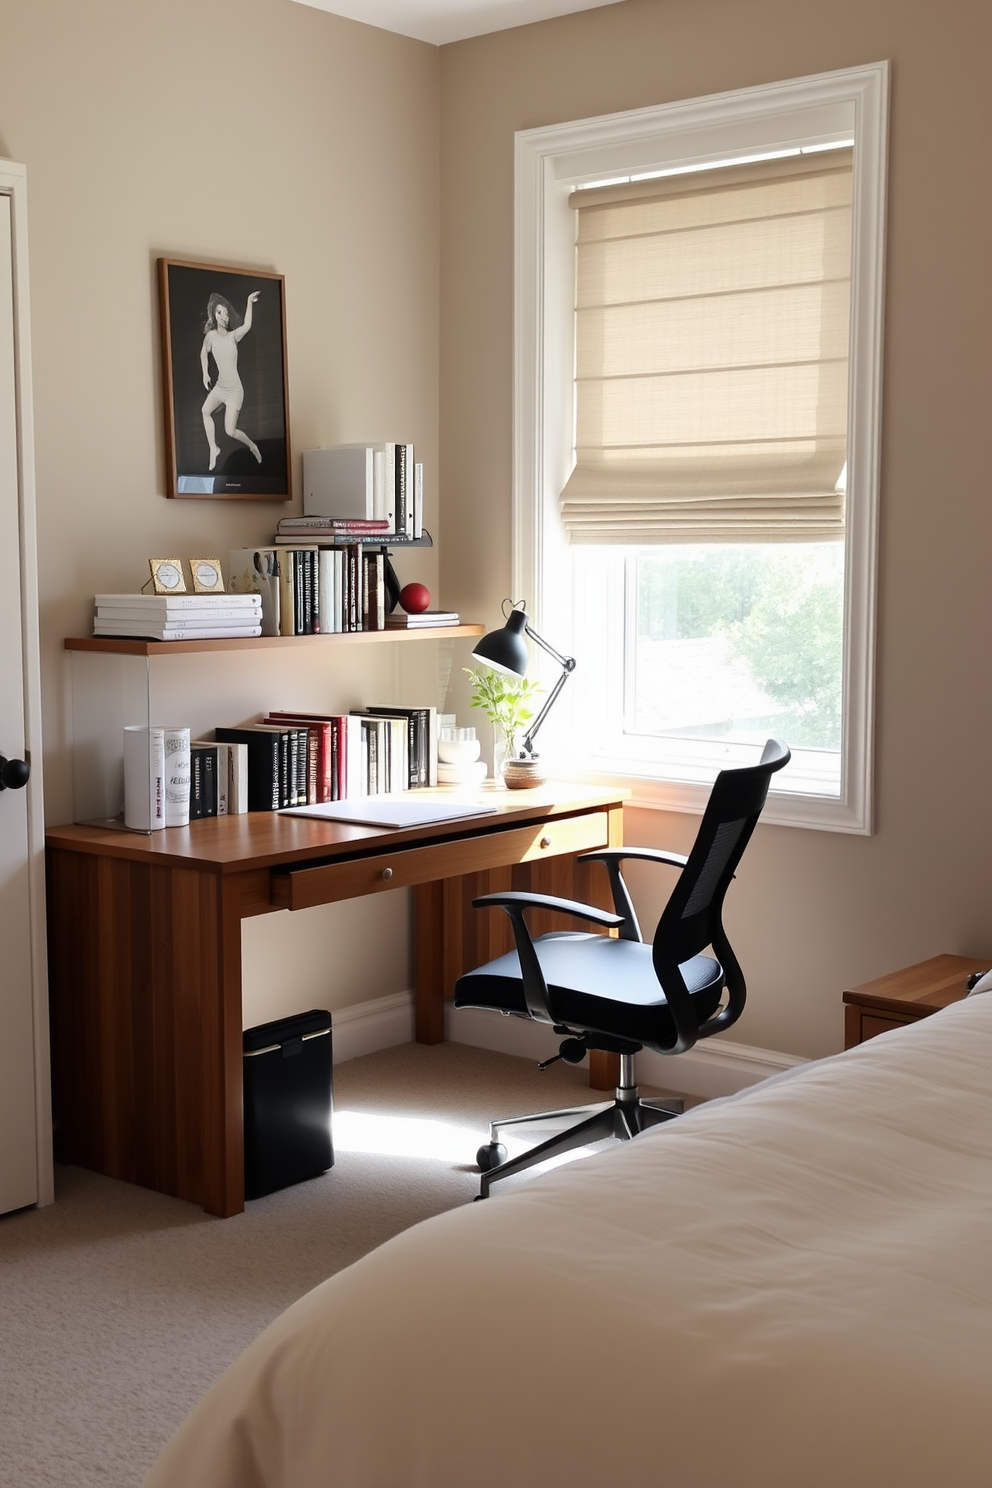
127, 646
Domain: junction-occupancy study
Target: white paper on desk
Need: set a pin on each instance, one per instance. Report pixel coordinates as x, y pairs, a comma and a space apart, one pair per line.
390, 811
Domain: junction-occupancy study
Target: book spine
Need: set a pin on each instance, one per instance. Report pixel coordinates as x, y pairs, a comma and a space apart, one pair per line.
237, 790
401, 490
196, 789
418, 500
177, 777
287, 597
313, 558
210, 781
144, 778
223, 778
379, 563
355, 777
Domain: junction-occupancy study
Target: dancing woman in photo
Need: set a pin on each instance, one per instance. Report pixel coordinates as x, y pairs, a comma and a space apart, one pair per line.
220, 340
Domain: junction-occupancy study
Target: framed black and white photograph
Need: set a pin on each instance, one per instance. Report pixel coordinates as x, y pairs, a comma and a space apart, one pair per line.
224, 377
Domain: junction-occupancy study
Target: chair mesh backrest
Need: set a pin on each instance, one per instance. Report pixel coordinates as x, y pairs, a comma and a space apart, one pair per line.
721, 850
692, 916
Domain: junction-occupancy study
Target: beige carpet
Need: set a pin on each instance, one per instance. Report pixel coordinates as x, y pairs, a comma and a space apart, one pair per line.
118, 1306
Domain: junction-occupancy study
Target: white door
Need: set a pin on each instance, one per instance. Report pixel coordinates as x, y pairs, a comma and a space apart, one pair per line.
19, 1165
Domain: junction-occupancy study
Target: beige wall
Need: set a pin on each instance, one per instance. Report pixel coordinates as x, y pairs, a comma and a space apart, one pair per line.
811, 912
265, 133
253, 132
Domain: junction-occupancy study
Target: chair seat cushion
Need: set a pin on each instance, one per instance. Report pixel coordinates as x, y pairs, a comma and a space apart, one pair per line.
597, 983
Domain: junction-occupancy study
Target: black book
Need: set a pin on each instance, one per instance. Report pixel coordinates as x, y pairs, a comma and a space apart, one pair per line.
204, 790
264, 792
401, 491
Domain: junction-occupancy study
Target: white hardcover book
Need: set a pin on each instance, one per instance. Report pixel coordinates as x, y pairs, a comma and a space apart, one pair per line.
327, 564
144, 778
340, 482
176, 777
339, 571
223, 778
399, 754
149, 630
250, 614
237, 779
385, 485
170, 603
356, 757
418, 500
256, 571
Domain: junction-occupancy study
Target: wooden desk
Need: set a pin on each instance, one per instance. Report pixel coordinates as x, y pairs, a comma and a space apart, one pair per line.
905, 996
145, 957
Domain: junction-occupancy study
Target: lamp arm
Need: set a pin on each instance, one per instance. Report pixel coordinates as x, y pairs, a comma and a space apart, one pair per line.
527, 748
568, 662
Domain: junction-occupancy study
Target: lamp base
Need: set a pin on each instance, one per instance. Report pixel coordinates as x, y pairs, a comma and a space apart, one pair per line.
523, 774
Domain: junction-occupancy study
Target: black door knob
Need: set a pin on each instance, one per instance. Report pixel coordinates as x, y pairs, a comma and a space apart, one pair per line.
13, 773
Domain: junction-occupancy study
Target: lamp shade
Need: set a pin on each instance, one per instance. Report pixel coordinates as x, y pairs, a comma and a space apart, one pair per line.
505, 650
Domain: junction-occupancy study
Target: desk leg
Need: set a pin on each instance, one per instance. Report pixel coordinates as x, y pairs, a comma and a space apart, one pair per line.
428, 905
451, 937
145, 974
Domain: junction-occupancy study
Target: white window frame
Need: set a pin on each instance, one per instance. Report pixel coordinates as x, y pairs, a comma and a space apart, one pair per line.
549, 164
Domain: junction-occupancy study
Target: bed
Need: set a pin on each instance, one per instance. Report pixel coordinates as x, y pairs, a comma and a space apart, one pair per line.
791, 1287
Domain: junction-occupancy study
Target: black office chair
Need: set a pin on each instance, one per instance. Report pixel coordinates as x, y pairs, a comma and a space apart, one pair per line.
618, 994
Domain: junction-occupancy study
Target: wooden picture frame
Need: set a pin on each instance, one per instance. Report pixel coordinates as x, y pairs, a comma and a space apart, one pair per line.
211, 310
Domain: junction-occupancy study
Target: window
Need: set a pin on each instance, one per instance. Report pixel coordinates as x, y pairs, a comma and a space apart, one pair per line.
696, 434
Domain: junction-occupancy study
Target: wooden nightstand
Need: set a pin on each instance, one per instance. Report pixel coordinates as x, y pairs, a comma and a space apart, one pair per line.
905, 996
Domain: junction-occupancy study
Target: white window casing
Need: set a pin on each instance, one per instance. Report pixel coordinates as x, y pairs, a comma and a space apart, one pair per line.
748, 126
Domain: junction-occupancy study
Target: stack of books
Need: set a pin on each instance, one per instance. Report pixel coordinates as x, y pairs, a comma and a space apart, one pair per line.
295, 530
398, 620
178, 617
367, 483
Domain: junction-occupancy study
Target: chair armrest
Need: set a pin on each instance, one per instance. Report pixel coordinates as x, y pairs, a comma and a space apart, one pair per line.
649, 854
514, 901
524, 900
612, 857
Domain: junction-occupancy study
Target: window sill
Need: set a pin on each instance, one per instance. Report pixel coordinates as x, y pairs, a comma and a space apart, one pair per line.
783, 808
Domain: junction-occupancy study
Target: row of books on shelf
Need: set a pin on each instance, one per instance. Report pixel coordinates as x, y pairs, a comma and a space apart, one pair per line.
366, 483
313, 588
301, 591
287, 759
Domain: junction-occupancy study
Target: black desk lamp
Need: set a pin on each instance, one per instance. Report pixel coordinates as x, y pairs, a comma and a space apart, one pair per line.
506, 651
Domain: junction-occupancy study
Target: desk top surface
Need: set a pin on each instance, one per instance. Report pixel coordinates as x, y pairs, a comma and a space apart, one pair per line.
263, 839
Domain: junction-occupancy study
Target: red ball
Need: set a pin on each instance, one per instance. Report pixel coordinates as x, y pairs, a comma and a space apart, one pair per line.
415, 598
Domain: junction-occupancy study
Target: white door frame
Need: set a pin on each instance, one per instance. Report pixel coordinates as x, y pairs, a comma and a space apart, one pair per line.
13, 183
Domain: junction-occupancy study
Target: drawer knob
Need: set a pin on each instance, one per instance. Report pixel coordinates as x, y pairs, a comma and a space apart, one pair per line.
387, 873
545, 841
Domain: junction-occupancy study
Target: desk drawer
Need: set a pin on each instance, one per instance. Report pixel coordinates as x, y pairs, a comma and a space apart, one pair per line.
302, 888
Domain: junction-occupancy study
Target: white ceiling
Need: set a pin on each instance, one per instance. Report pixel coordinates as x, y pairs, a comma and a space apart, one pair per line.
440, 21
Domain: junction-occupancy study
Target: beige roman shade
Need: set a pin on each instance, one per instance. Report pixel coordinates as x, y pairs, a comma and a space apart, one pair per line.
712, 322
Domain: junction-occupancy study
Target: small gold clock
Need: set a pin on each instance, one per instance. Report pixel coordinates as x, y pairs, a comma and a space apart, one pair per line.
208, 577
167, 575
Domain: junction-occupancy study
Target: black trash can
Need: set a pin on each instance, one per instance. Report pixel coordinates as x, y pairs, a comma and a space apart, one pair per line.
288, 1102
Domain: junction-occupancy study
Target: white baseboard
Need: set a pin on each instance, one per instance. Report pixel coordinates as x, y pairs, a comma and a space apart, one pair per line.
717, 1067
367, 1027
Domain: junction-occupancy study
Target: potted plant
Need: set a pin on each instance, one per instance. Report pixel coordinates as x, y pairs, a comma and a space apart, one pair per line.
508, 704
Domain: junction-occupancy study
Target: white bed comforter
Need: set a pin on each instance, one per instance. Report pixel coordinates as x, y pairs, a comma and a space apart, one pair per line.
791, 1288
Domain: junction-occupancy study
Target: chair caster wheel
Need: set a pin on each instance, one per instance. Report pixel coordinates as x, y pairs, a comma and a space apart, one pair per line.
490, 1156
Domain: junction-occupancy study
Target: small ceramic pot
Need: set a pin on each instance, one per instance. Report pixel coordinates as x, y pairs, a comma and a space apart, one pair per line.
523, 774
